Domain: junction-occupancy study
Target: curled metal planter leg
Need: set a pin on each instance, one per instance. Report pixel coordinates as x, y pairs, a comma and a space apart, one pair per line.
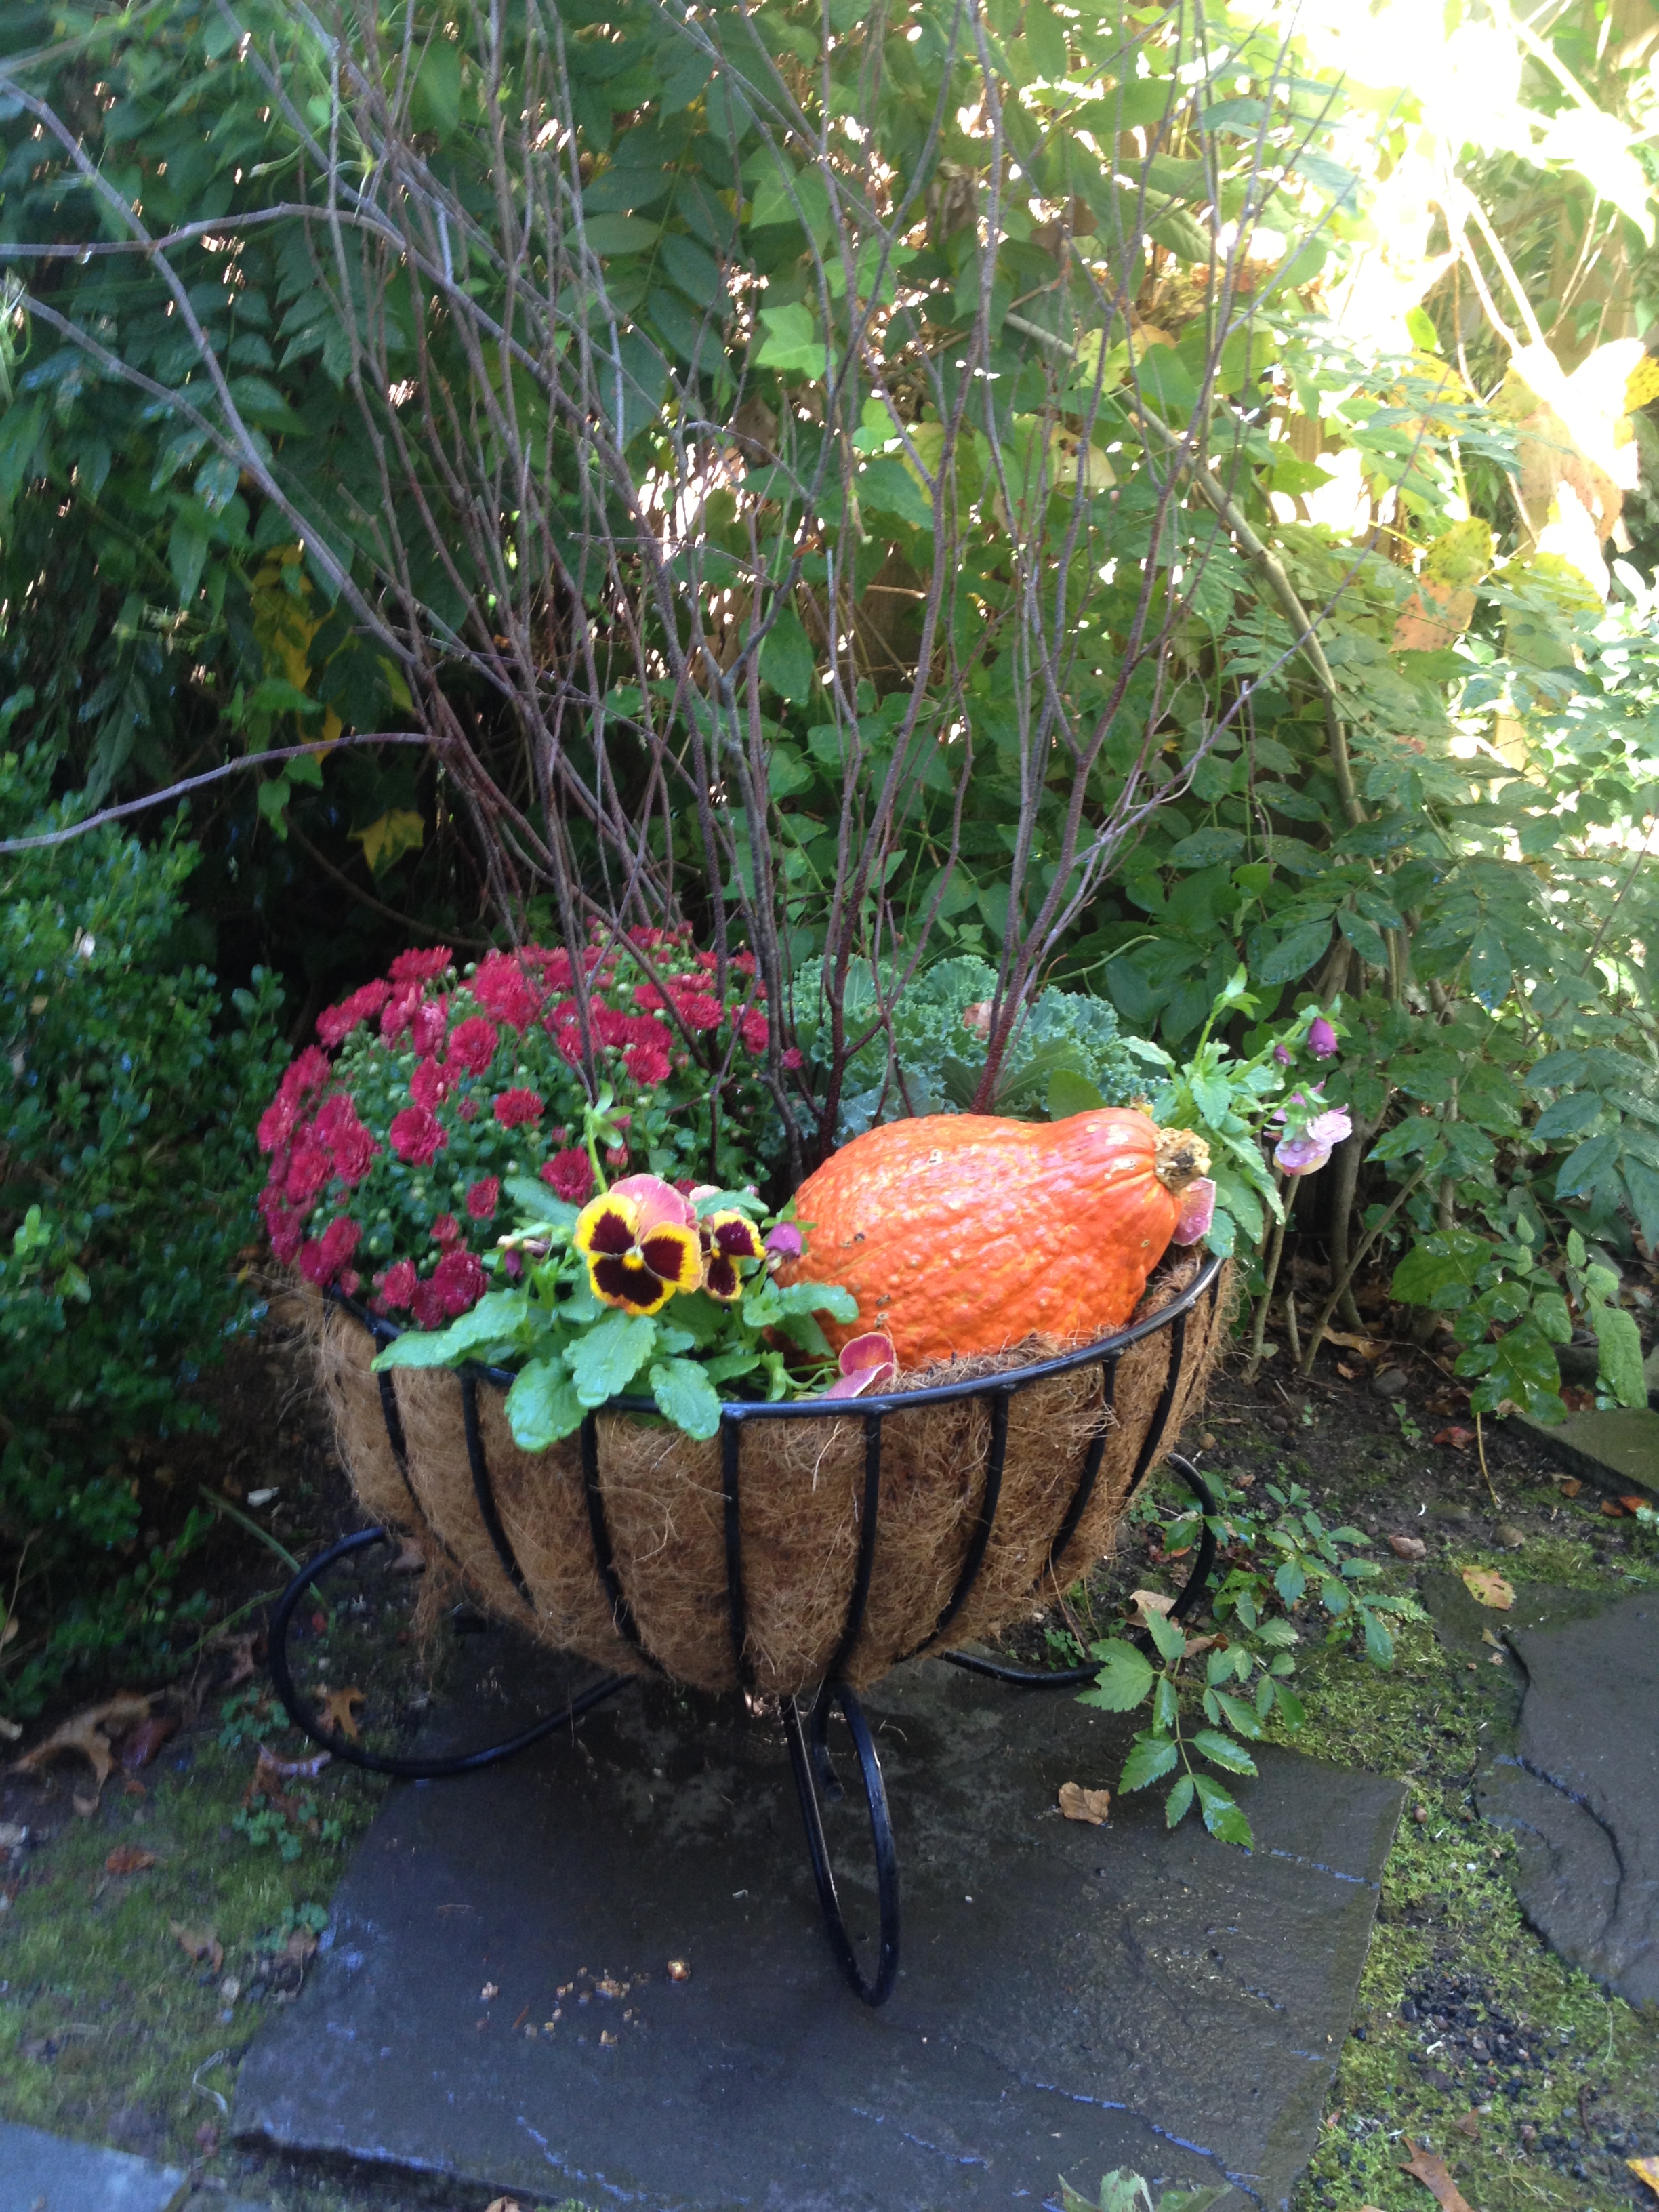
809, 1755
404, 1769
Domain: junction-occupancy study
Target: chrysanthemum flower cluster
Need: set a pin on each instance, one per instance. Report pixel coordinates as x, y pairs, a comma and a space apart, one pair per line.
387, 1160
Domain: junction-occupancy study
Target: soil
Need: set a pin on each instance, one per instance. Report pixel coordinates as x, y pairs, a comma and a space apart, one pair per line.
1470, 2037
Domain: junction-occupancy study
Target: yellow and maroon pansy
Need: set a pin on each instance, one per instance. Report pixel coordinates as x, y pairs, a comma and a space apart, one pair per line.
639, 1244
727, 1238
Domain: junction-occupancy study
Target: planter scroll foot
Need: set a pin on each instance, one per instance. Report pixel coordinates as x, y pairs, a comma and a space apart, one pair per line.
404, 1770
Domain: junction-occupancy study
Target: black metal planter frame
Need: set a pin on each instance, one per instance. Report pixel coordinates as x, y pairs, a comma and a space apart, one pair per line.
807, 1733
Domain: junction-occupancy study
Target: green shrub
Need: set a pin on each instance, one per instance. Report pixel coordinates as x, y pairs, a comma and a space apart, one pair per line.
127, 1176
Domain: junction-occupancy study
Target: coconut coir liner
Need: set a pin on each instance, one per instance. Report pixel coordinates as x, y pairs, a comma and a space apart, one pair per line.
801, 1490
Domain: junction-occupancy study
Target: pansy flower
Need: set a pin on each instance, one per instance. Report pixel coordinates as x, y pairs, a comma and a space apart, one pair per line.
728, 1236
640, 1243
866, 1363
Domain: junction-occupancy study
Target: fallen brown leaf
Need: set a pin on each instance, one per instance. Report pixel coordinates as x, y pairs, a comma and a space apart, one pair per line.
1632, 1503
1487, 1587
340, 1711
1613, 1510
1079, 1804
301, 1945
1571, 1487
411, 1560
128, 1859
86, 1732
239, 1650
503, 2205
1459, 1438
1469, 2125
1408, 1548
1429, 2169
679, 1970
1146, 1602
138, 1746
1362, 1344
198, 1943
1645, 2169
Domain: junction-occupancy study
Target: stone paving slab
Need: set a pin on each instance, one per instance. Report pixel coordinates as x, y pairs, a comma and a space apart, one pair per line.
41, 2172
1581, 1789
1071, 1998
1619, 1449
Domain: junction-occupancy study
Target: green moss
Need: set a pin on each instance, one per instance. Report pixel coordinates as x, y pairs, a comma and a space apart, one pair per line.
1448, 1918
102, 2011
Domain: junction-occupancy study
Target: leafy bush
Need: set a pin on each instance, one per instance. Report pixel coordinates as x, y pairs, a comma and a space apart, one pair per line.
127, 1176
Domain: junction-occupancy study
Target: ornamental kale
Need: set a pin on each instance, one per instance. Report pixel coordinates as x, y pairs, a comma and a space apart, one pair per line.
938, 1024
388, 1162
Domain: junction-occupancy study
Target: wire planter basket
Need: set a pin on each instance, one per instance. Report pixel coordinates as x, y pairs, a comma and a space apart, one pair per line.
1135, 1388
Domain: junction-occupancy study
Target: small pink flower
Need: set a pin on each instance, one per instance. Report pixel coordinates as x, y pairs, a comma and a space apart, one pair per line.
569, 1175
415, 1136
514, 1108
1281, 1053
755, 1031
647, 1063
792, 1059
1322, 1039
483, 1198
785, 1242
427, 1301
867, 1364
460, 1281
472, 1044
427, 1026
420, 967
445, 1231
1310, 1150
321, 1258
336, 1025
396, 1286
429, 1087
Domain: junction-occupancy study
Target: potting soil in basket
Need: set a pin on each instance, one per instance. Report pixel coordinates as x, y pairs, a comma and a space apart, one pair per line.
801, 1492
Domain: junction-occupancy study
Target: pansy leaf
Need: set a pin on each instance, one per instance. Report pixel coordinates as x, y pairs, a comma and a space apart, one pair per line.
685, 1396
608, 1358
541, 1406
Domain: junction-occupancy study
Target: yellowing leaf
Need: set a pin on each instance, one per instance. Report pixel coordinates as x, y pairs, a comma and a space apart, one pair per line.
1645, 2169
1641, 385
385, 841
1487, 1587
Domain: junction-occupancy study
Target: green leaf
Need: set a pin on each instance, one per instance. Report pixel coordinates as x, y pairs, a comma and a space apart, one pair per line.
1152, 1757
810, 1297
1168, 1635
1221, 1751
1240, 1716
1583, 1167
1176, 1806
786, 662
187, 551
541, 1406
1295, 954
685, 1396
1379, 1644
1071, 1093
1289, 1581
1620, 1343
607, 1358
1221, 1814
792, 341
537, 1203
1126, 1677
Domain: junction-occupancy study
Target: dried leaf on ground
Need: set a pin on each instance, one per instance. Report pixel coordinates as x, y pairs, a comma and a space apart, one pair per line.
1078, 1803
138, 1746
1429, 2169
1364, 1345
1571, 1487
296, 1770
86, 1732
301, 1945
503, 2205
339, 1711
410, 1561
1146, 1602
1408, 1548
1459, 1438
239, 1650
1632, 1503
1645, 2169
128, 1859
1469, 2125
1487, 1587
84, 1807
198, 1943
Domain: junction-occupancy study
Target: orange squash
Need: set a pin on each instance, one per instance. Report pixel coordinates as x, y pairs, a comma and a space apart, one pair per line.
962, 1233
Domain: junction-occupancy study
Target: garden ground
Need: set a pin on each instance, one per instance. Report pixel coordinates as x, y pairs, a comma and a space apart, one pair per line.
129, 1991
